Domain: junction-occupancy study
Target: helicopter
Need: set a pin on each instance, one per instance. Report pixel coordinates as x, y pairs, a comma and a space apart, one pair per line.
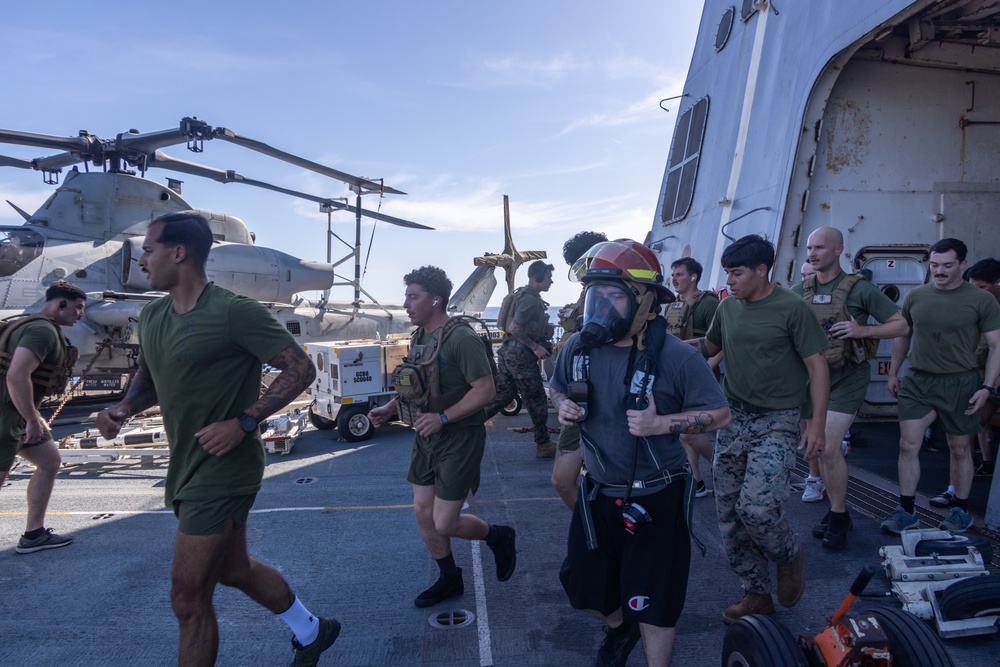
90, 232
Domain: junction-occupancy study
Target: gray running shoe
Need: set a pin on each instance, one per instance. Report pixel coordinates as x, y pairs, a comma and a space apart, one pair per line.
47, 540
958, 521
946, 499
899, 521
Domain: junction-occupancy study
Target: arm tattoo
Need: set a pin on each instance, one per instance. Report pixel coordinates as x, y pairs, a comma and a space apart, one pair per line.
297, 373
703, 348
141, 392
691, 423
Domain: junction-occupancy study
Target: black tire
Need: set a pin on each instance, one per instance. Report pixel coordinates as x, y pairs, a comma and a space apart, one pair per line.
972, 597
912, 642
353, 424
760, 641
511, 408
956, 545
320, 423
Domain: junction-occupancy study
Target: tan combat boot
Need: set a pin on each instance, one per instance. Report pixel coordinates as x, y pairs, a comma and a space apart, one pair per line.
752, 603
791, 580
545, 450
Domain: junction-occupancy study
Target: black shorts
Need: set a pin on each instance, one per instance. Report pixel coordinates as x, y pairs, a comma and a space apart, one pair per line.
645, 575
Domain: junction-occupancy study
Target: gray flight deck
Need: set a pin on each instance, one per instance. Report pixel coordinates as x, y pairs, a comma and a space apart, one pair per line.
335, 519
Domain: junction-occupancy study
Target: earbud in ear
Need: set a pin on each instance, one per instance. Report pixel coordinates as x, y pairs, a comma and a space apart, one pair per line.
435, 302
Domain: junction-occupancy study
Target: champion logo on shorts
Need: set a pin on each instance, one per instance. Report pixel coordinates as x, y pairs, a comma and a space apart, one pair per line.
638, 603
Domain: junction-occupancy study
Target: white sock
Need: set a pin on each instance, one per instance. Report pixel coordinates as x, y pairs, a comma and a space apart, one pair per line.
951, 489
810, 478
303, 625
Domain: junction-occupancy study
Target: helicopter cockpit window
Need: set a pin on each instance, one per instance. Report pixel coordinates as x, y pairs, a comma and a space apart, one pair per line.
18, 247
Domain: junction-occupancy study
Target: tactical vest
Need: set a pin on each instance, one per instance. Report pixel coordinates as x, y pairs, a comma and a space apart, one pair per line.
417, 379
678, 315
50, 378
536, 330
832, 308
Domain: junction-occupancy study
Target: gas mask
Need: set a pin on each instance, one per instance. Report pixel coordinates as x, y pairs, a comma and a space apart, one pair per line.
608, 312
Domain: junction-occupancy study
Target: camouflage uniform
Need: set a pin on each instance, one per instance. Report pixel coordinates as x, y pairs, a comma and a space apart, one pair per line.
754, 456
765, 343
518, 371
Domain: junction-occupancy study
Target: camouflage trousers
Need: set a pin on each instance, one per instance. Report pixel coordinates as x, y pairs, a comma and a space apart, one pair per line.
754, 456
519, 373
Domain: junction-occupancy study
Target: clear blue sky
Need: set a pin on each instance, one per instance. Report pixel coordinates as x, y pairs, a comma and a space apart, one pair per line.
456, 103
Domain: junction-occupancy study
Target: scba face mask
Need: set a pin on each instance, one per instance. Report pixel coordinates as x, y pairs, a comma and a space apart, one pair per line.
608, 311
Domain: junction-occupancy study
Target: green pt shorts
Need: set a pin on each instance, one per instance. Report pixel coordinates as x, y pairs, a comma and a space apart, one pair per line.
569, 438
449, 461
210, 517
946, 394
12, 435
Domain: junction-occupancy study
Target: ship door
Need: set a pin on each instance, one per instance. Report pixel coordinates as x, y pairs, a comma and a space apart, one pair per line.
895, 271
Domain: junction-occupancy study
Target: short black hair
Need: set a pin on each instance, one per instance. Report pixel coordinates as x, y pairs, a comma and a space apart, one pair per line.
944, 245
432, 279
986, 270
189, 229
63, 289
538, 269
580, 243
750, 251
692, 265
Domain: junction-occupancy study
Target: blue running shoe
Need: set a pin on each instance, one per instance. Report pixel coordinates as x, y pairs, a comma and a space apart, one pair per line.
899, 521
958, 521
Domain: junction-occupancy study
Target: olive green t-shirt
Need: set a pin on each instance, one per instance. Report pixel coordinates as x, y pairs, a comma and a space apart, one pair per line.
704, 311
863, 301
947, 325
461, 360
764, 342
206, 367
42, 338
531, 309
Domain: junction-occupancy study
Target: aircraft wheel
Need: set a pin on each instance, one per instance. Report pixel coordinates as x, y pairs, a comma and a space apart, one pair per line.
511, 408
970, 598
956, 545
353, 424
912, 642
319, 422
760, 641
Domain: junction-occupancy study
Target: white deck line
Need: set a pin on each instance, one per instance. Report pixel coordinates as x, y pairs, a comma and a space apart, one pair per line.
482, 615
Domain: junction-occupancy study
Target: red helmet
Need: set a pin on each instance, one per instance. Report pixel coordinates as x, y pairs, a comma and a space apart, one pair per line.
622, 259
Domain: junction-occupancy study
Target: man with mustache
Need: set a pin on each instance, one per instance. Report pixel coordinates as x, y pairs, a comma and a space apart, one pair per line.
947, 317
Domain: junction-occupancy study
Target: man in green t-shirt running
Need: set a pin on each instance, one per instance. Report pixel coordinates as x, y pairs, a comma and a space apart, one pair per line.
846, 322
773, 346
200, 357
947, 316
450, 436
34, 348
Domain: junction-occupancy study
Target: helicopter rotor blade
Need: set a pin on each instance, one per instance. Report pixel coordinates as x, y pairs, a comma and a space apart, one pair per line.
163, 161
84, 143
252, 144
6, 161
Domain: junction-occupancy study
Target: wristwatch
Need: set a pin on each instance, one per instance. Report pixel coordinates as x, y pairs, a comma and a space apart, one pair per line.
444, 418
247, 423
992, 390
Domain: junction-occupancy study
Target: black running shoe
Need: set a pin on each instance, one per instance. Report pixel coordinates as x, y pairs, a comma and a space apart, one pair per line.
819, 530
308, 656
618, 643
442, 589
504, 552
835, 538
